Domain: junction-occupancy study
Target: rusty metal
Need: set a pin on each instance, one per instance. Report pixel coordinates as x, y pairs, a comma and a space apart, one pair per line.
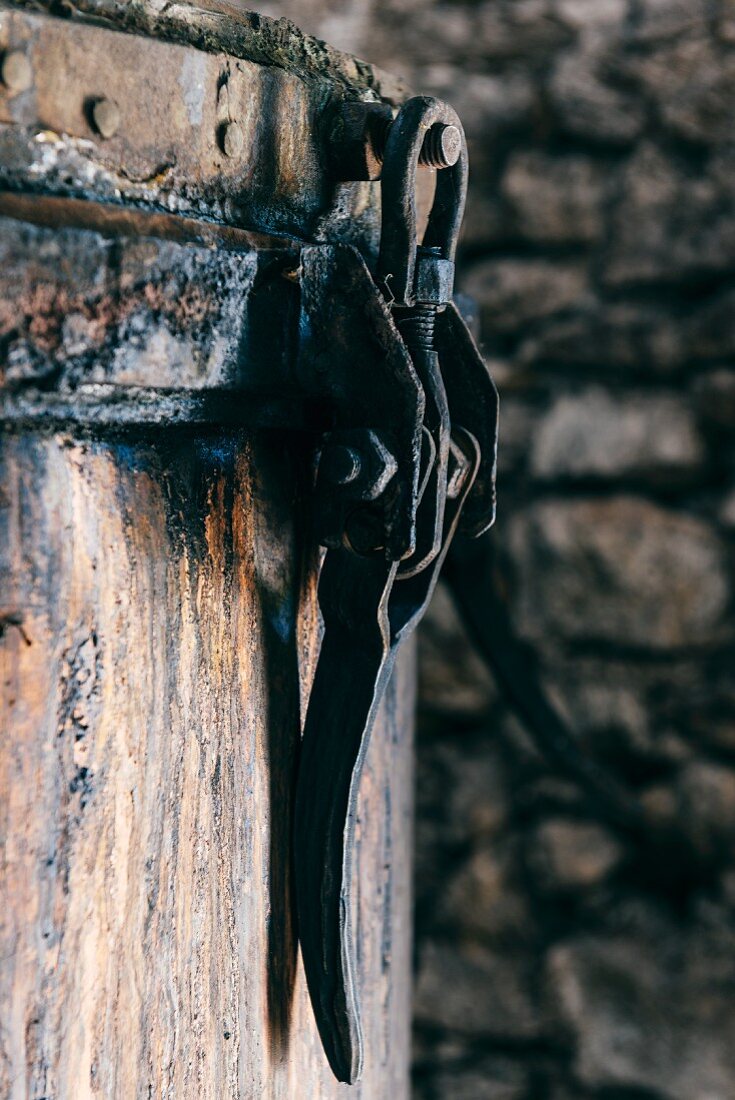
352, 356
232, 140
52, 212
359, 135
242, 35
356, 138
182, 215
223, 206
367, 615
399, 244
204, 135
106, 117
372, 592
222, 359
122, 409
340, 464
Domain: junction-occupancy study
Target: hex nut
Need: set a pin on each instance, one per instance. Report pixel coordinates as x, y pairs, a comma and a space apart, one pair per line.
16, 71
106, 117
358, 139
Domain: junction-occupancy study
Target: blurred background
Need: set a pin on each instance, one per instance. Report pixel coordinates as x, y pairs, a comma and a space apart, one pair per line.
556, 959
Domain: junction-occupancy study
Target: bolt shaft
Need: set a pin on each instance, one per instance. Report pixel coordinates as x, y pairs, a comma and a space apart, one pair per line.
416, 326
441, 148
360, 135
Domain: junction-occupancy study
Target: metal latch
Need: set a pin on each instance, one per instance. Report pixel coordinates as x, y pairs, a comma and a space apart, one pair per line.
388, 514
387, 519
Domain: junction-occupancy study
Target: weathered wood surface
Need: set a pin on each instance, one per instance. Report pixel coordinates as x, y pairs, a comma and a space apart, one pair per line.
157, 605
151, 604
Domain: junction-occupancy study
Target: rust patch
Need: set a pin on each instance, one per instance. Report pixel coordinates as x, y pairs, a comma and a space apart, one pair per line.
40, 310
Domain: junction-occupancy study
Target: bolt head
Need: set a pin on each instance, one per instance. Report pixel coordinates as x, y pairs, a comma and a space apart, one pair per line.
232, 140
16, 71
339, 464
106, 117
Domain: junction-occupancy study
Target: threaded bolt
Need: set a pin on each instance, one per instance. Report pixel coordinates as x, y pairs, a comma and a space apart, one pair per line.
416, 326
16, 71
441, 148
360, 135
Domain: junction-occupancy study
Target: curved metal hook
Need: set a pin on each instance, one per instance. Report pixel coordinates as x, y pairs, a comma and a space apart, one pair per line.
398, 243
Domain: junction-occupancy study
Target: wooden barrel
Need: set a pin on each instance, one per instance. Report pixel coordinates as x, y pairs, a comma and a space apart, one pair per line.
151, 612
158, 632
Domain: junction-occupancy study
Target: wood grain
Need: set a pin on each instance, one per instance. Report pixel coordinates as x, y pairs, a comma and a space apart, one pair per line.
154, 615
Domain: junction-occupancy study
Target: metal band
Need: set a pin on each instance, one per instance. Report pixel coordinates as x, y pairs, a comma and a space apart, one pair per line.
95, 113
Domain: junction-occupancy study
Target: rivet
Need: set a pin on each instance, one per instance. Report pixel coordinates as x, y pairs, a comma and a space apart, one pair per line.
232, 140
106, 117
16, 71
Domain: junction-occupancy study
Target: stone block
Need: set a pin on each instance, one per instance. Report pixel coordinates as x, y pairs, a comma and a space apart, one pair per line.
619, 571
514, 292
476, 991
571, 855
555, 200
610, 336
649, 1014
587, 106
669, 224
593, 435
485, 897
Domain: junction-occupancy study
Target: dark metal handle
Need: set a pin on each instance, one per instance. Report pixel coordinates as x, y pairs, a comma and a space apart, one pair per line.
368, 612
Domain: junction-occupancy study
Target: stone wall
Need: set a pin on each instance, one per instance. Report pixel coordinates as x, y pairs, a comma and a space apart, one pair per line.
557, 960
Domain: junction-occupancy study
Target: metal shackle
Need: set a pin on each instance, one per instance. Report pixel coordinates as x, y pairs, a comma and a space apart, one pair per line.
397, 260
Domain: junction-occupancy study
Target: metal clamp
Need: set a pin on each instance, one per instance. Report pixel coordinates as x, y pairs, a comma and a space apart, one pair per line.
402, 275
370, 606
